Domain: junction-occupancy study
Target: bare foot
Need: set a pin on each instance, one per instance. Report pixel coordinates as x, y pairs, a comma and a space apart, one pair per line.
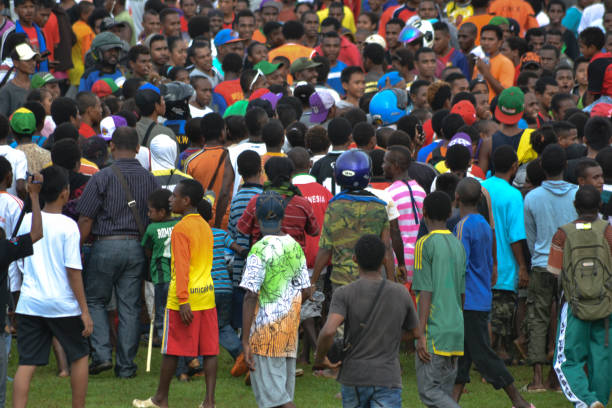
63, 374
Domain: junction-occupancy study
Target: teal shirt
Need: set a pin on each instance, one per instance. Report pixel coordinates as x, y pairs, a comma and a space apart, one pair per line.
439, 268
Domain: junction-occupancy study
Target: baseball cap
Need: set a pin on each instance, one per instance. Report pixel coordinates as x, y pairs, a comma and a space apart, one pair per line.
602, 109
273, 98
25, 52
238, 108
41, 79
23, 121
320, 103
301, 64
462, 139
226, 36
394, 79
148, 85
267, 67
104, 87
530, 58
270, 3
269, 210
376, 39
510, 105
109, 124
499, 20
466, 110
109, 23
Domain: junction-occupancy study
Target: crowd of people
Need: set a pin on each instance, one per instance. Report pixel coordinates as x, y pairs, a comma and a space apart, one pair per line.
317, 181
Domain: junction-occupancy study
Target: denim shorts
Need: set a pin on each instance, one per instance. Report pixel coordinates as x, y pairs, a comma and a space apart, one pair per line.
371, 397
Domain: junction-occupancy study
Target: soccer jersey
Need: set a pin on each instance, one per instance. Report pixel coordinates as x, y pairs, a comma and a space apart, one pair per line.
157, 239
276, 270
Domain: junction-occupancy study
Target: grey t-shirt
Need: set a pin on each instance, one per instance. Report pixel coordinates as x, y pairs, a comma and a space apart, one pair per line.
11, 98
375, 359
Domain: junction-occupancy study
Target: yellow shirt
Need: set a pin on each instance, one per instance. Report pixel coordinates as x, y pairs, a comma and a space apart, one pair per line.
348, 21
84, 37
191, 246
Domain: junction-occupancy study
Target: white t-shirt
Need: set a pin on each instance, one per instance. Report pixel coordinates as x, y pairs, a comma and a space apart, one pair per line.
46, 291
197, 112
235, 150
592, 17
10, 208
19, 163
392, 211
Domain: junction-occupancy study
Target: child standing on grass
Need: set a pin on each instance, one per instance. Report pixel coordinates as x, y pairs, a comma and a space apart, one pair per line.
190, 321
156, 242
275, 278
52, 301
439, 281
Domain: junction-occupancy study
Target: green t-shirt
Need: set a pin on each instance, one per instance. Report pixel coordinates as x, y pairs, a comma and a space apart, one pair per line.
439, 268
345, 222
157, 239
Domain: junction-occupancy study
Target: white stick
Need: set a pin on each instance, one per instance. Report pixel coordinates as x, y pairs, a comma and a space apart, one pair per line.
150, 348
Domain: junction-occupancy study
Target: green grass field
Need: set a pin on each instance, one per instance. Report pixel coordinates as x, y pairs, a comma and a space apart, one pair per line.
105, 390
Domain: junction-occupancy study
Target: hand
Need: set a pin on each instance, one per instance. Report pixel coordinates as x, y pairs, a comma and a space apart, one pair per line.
87, 323
482, 66
53, 64
185, 313
248, 356
421, 348
35, 183
325, 364
307, 293
402, 273
523, 277
494, 276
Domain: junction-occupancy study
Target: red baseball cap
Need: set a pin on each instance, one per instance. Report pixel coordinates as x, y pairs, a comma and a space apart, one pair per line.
466, 110
602, 109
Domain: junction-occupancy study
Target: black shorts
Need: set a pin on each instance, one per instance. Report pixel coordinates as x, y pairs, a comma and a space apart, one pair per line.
35, 334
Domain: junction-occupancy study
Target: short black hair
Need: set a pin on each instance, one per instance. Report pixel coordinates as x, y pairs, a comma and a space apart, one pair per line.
159, 199
296, 134
286, 114
469, 191
436, 120
339, 131
416, 85
553, 160
397, 21
518, 44
299, 157
375, 53
65, 131
271, 26
450, 124
354, 116
423, 50
496, 29
377, 157
66, 153
597, 131
191, 188
557, 2
292, 101
232, 63
330, 21
408, 124
278, 170
137, 50
440, 26
236, 128
592, 36
583, 165
347, 72
535, 174
255, 119
551, 48
273, 134
55, 180
363, 133
145, 100
243, 13
85, 100
587, 200
125, 138
293, 30
503, 158
534, 32
523, 79
543, 82
166, 12
38, 110
458, 158
62, 109
604, 158
316, 139
198, 26
212, 126
437, 206
399, 138
454, 76
193, 131
442, 94
370, 252
402, 156
249, 163
463, 96
5, 167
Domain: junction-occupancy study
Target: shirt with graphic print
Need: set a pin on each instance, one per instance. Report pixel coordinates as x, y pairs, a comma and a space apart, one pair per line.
157, 239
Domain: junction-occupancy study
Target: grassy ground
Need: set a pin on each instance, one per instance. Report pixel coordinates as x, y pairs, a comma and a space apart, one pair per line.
106, 391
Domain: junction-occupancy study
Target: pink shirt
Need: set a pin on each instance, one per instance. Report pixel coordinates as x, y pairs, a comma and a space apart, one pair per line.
408, 223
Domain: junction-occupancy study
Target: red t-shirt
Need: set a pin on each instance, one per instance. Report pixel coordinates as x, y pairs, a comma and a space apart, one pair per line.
52, 35
86, 131
230, 90
31, 33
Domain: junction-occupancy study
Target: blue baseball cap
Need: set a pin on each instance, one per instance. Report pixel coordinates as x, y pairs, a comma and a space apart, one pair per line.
269, 210
148, 85
226, 36
394, 79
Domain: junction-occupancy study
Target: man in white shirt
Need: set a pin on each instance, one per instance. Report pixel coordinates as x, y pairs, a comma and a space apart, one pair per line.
10, 208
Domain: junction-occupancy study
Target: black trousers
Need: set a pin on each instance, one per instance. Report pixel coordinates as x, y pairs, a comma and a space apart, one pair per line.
477, 350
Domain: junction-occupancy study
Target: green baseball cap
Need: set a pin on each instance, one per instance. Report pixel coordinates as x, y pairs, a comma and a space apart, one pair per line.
301, 64
499, 20
267, 67
41, 79
510, 105
23, 121
236, 109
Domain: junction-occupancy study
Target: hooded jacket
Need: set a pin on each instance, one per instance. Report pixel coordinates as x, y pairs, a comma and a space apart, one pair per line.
546, 209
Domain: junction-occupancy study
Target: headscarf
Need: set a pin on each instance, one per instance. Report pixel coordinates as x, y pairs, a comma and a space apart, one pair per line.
164, 153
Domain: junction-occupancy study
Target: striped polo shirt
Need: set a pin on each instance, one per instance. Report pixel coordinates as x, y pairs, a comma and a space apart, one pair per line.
219, 272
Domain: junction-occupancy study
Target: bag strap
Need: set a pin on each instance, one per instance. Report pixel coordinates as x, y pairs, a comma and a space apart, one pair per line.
414, 209
20, 219
368, 319
147, 134
131, 202
214, 177
7, 76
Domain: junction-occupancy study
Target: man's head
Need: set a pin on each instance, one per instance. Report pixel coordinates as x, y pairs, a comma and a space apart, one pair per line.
203, 89
201, 56
273, 135
560, 103
170, 20
427, 9
212, 127
458, 83
23, 123
244, 23
25, 10
42, 12
392, 32
105, 48
270, 210
425, 63
587, 200
545, 88
24, 58
364, 136
139, 60
491, 38
125, 140
300, 158
353, 81
65, 110
535, 38
418, 94
339, 132
90, 107
549, 57
158, 203
555, 11
310, 22
564, 75
150, 22
187, 195
150, 103
458, 159
553, 160
160, 55
369, 253
441, 38
373, 55
249, 164
336, 10
604, 158
589, 172
436, 207
505, 160
468, 192
467, 36
269, 10
56, 187
255, 119
228, 41
597, 132
273, 31
293, 31
396, 161
6, 173
590, 41
330, 45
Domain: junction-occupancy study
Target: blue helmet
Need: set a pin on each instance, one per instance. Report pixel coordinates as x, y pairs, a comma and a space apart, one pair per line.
352, 169
389, 106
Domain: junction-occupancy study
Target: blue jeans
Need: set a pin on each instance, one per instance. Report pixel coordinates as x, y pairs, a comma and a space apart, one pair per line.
117, 264
161, 298
371, 397
237, 298
228, 339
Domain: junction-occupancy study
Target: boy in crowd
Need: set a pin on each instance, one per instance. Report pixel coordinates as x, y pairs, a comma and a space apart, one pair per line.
476, 236
275, 280
583, 326
370, 373
156, 242
190, 321
52, 300
439, 281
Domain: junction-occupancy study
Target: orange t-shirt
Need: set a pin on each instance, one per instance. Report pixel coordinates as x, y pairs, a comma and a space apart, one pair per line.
519, 10
292, 51
259, 37
502, 69
202, 167
479, 21
230, 90
52, 36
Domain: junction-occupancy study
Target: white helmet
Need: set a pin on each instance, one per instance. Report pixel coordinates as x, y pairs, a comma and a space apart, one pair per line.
425, 27
376, 39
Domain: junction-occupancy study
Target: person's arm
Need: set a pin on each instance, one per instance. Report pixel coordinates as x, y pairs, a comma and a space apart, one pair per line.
75, 279
323, 258
484, 155
424, 306
225, 195
517, 251
494, 253
385, 236
485, 70
34, 186
312, 227
181, 252
21, 189
239, 249
398, 247
248, 314
326, 340
85, 225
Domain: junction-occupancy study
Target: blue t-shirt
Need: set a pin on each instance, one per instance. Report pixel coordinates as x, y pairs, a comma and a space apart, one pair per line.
219, 272
333, 79
571, 21
87, 82
424, 152
476, 236
507, 207
37, 139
